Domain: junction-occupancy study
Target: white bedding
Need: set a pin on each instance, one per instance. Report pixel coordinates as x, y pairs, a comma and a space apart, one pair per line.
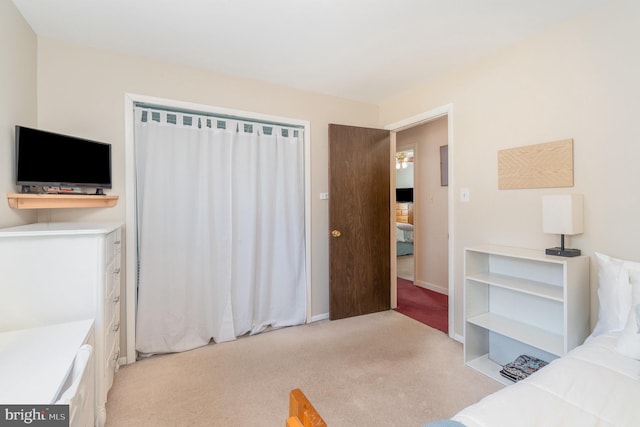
593, 385
404, 232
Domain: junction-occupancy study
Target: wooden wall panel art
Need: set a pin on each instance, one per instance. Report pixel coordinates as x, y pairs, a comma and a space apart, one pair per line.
545, 165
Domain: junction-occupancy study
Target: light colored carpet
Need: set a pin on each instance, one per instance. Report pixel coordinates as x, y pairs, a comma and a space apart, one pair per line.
382, 369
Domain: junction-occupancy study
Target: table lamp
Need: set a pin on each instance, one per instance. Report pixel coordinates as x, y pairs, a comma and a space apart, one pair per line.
562, 214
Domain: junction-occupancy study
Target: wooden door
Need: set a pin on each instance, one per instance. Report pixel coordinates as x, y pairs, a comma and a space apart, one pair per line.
359, 218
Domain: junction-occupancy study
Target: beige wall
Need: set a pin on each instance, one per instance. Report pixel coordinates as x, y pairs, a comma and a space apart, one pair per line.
81, 91
576, 81
18, 46
430, 210
580, 81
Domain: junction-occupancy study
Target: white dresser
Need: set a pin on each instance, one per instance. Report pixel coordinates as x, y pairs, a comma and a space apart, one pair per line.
59, 272
31, 375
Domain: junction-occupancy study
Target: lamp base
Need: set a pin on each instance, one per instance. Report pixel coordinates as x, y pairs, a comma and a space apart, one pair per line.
563, 252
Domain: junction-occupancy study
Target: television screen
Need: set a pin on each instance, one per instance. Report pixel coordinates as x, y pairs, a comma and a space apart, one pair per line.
51, 159
404, 194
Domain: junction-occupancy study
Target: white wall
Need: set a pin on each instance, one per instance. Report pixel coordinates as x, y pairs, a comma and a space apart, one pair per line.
18, 45
576, 81
580, 81
81, 92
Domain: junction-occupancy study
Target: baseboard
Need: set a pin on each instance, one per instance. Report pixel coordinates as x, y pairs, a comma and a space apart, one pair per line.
318, 317
431, 287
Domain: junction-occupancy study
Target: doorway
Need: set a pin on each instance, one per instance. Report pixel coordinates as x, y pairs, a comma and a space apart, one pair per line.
432, 207
404, 216
373, 198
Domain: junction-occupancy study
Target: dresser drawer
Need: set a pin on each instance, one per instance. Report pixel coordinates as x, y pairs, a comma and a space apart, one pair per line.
111, 311
112, 281
112, 331
111, 352
112, 245
111, 365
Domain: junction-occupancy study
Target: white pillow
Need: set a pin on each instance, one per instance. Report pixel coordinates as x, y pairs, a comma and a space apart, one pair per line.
614, 293
629, 341
399, 235
404, 226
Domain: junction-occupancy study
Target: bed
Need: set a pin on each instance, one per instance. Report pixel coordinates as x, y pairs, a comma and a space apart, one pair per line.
404, 228
595, 384
404, 239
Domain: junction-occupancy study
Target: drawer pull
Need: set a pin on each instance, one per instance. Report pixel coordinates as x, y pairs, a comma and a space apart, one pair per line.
117, 242
116, 327
116, 271
116, 299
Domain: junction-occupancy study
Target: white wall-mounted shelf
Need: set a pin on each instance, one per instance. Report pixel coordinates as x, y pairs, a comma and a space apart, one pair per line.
521, 301
58, 201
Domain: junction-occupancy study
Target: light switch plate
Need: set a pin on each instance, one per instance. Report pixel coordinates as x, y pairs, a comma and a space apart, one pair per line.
464, 195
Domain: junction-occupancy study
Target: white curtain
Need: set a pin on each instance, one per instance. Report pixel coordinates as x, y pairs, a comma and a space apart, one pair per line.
221, 247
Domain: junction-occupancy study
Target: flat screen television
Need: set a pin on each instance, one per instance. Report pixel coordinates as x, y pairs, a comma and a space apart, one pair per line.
404, 194
50, 159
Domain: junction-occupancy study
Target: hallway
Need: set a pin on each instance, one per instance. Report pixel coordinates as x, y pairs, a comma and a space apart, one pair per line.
405, 267
423, 305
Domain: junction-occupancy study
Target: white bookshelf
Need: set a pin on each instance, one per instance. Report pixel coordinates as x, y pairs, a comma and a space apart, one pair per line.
521, 301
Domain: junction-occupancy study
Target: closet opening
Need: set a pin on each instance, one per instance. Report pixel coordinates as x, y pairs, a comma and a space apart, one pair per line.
253, 207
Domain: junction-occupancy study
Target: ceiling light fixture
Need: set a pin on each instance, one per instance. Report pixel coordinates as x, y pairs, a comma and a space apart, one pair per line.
401, 160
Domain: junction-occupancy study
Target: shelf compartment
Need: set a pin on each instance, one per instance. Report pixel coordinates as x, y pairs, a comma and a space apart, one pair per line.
530, 287
489, 368
57, 201
530, 335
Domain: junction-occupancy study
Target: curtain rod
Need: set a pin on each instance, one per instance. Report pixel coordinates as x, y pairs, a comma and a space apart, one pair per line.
213, 115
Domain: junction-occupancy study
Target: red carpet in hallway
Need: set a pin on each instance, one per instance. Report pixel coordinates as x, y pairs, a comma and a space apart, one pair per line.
423, 305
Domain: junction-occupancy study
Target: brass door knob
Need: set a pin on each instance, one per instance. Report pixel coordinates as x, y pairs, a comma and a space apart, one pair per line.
336, 233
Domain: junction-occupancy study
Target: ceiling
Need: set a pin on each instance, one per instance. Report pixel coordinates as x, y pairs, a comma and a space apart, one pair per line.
366, 50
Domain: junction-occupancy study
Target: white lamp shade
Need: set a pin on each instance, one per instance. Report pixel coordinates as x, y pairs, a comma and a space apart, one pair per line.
562, 214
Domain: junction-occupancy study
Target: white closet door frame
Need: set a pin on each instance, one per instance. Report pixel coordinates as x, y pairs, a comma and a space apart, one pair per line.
130, 230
